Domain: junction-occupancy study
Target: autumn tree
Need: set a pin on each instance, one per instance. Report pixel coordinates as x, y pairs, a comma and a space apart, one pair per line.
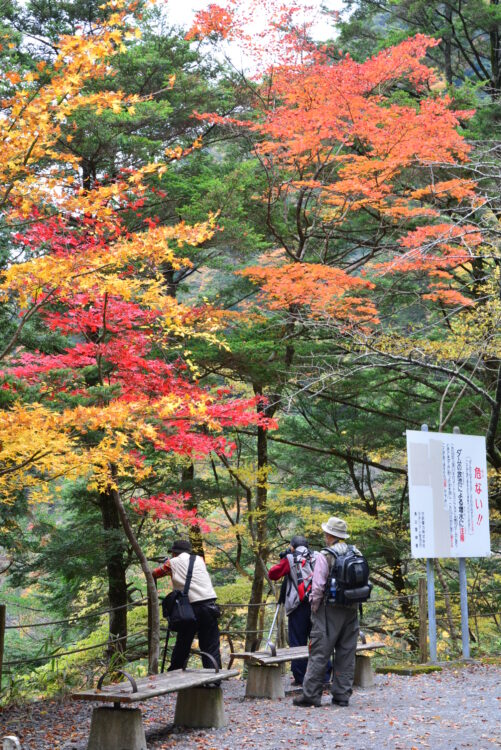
112, 390
370, 207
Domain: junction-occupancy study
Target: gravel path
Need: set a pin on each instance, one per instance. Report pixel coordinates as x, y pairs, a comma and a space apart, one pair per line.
454, 709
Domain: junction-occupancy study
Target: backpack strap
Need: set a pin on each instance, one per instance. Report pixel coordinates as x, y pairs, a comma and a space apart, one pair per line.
189, 574
291, 559
299, 568
331, 556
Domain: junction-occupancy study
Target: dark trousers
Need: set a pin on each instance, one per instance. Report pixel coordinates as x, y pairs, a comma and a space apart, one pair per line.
207, 630
299, 632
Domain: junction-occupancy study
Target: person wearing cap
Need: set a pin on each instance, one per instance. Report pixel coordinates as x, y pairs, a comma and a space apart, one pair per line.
334, 627
203, 600
296, 563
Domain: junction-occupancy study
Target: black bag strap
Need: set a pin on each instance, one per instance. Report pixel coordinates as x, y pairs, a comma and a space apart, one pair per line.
189, 574
330, 551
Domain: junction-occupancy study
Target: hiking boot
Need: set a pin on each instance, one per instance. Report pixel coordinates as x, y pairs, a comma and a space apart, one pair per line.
302, 700
340, 702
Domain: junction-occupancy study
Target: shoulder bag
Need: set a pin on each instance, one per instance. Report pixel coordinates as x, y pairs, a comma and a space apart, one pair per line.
176, 606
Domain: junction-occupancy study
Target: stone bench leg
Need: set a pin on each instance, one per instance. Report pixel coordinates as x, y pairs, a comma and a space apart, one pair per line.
200, 707
264, 681
116, 729
364, 676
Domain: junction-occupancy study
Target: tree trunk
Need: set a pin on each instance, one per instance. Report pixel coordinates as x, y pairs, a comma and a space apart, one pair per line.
195, 533
253, 630
116, 569
169, 284
495, 44
153, 611
407, 608
448, 607
447, 45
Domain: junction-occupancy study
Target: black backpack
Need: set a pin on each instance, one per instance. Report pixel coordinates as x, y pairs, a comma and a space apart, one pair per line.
348, 580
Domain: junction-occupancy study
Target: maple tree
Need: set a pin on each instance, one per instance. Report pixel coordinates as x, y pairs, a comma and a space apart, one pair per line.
111, 386
112, 390
369, 201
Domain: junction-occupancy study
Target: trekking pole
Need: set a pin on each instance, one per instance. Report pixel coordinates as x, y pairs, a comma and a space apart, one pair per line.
165, 649
281, 600
268, 640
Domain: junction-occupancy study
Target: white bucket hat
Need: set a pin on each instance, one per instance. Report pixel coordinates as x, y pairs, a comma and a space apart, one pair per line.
336, 527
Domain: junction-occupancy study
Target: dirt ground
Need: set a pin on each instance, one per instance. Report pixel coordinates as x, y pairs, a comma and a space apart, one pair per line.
455, 709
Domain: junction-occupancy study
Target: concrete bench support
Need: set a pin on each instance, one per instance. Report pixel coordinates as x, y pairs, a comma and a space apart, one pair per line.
364, 676
200, 707
116, 729
264, 681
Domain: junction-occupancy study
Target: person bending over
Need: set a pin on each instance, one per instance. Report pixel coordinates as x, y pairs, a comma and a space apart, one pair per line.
203, 600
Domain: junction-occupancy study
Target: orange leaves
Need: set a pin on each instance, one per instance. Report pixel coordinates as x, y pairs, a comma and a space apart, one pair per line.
433, 250
326, 292
401, 61
454, 243
214, 20
457, 189
447, 296
269, 32
355, 148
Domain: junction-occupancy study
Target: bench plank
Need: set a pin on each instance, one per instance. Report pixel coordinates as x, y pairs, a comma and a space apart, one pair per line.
287, 654
154, 685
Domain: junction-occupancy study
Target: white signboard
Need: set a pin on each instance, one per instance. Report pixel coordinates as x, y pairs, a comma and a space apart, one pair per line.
449, 513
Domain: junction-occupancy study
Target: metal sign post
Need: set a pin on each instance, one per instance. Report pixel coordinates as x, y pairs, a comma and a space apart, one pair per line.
432, 620
463, 592
463, 595
430, 585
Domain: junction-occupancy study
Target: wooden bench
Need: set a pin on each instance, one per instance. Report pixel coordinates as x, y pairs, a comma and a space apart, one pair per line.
264, 676
199, 704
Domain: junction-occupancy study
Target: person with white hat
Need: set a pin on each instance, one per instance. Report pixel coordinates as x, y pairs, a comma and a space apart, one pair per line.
334, 627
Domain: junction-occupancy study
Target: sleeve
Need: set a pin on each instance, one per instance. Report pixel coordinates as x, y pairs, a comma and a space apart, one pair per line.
162, 571
320, 574
279, 570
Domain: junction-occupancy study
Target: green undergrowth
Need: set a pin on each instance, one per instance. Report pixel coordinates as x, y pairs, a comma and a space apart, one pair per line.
61, 675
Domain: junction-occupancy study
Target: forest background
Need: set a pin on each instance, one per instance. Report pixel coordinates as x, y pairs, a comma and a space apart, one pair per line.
225, 297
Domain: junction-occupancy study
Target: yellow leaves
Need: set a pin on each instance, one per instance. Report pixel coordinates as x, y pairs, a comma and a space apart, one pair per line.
29, 127
33, 435
133, 34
